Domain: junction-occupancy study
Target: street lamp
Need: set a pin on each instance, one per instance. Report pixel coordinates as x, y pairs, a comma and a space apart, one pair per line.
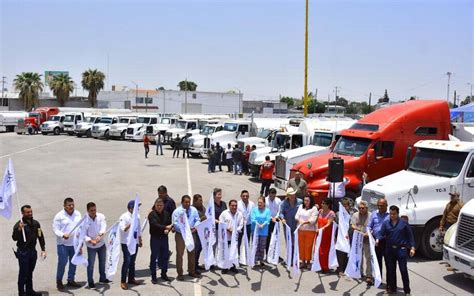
470, 94
136, 94
240, 99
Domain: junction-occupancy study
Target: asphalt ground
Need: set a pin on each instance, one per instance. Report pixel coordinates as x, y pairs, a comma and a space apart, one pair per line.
110, 173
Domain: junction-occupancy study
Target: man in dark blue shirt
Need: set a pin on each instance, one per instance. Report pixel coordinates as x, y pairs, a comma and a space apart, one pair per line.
399, 239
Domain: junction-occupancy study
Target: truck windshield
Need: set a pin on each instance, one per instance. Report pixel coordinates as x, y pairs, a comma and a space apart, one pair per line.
165, 121
438, 162
281, 141
145, 120
33, 114
69, 118
124, 120
105, 120
97, 120
55, 118
181, 124
207, 130
90, 119
351, 146
264, 133
322, 139
230, 127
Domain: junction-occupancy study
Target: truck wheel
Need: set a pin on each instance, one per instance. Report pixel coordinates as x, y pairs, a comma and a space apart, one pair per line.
56, 131
88, 133
122, 136
431, 244
194, 155
79, 135
71, 133
18, 133
106, 135
44, 134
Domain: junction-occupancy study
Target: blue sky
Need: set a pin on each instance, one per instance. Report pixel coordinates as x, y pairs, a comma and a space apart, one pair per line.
255, 46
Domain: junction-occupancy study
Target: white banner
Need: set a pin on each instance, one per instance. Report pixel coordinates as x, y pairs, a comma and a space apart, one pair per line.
222, 247
113, 251
289, 246
343, 241
333, 264
185, 229
253, 251
316, 266
295, 271
354, 264
373, 260
211, 214
205, 231
132, 237
244, 249
79, 236
234, 243
7, 191
274, 246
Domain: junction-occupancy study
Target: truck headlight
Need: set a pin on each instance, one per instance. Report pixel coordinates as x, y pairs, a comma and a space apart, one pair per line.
449, 236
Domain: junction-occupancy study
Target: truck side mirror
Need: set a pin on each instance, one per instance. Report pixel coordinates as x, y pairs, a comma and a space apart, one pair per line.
371, 155
408, 157
333, 144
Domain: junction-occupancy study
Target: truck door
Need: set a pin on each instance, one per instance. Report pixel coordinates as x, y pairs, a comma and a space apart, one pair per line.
468, 184
242, 130
384, 159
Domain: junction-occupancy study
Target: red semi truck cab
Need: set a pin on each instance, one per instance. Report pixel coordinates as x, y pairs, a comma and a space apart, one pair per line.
377, 144
36, 117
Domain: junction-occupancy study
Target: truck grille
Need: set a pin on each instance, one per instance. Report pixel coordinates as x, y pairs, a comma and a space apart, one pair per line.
280, 167
130, 131
95, 128
207, 143
169, 137
371, 197
149, 129
464, 237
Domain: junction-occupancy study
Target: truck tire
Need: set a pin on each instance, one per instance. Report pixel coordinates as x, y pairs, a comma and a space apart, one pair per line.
70, 133
44, 133
89, 133
429, 245
79, 135
195, 155
18, 133
122, 136
56, 131
106, 135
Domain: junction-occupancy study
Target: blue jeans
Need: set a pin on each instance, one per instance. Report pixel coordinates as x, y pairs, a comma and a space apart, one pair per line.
27, 262
101, 253
159, 250
393, 255
160, 147
197, 247
128, 265
65, 254
237, 167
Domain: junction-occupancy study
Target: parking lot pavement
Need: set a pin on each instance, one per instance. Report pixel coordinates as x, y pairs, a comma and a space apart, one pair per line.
50, 168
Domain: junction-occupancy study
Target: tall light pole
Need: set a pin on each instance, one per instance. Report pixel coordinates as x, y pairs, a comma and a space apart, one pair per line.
4, 81
240, 99
136, 94
305, 100
449, 81
469, 83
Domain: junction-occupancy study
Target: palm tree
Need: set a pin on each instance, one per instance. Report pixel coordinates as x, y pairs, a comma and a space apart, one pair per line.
62, 86
29, 85
93, 81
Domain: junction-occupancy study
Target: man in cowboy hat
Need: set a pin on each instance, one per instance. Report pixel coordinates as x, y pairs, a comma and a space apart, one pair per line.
288, 209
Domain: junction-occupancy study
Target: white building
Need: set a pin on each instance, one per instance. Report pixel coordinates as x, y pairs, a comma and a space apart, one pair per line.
172, 101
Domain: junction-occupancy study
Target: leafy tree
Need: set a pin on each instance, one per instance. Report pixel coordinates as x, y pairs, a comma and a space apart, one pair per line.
342, 102
29, 85
290, 102
385, 98
93, 81
161, 88
466, 101
316, 107
62, 86
187, 85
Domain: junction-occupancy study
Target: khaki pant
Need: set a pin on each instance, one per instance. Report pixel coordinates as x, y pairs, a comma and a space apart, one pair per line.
366, 254
180, 248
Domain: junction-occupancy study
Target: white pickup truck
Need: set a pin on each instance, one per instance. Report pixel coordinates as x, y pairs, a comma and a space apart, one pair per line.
101, 129
459, 241
324, 134
54, 125
85, 127
118, 129
422, 190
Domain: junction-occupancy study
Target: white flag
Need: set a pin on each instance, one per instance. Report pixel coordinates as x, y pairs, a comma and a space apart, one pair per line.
253, 251
211, 214
222, 247
295, 271
132, 236
234, 243
332, 249
375, 264
343, 241
289, 246
7, 191
204, 230
244, 249
274, 246
79, 236
183, 226
316, 266
354, 264
113, 251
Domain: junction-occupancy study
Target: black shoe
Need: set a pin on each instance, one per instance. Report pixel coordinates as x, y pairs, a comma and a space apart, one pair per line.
154, 281
73, 284
199, 267
106, 281
225, 271
33, 293
165, 278
59, 285
234, 270
91, 285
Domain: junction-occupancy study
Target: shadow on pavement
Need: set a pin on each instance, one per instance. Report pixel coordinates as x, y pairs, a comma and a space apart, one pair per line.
460, 281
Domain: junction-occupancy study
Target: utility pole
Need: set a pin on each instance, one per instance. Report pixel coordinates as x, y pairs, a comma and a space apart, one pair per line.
370, 101
335, 90
164, 101
146, 103
454, 106
470, 96
449, 80
305, 100
136, 95
4, 81
186, 96
316, 95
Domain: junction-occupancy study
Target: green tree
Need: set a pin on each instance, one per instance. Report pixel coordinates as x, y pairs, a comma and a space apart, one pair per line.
316, 107
29, 85
62, 86
161, 88
466, 101
93, 82
340, 101
385, 98
187, 85
290, 102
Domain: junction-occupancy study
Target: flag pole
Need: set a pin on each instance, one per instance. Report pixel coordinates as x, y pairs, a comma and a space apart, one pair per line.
21, 216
